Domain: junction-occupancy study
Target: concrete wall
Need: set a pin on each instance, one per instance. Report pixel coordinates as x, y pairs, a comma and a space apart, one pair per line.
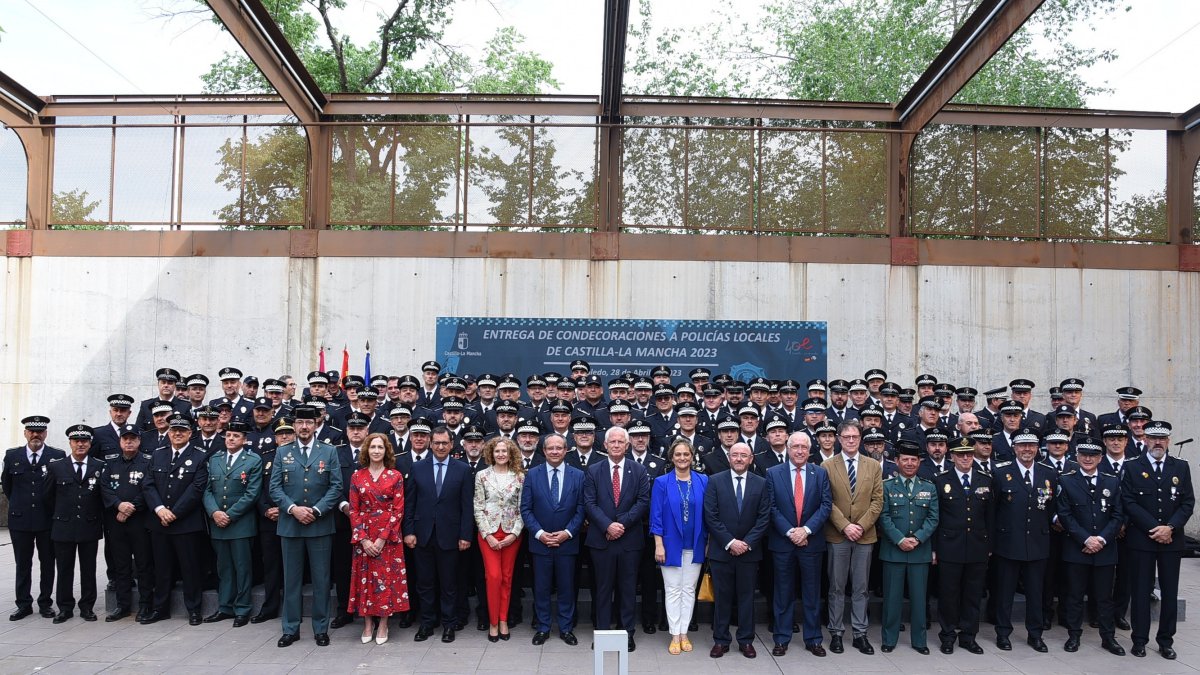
78, 329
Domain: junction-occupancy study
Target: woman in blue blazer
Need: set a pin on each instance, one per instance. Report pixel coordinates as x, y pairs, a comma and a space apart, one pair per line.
680, 537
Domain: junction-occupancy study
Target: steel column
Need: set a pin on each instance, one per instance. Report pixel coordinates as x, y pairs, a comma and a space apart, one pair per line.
616, 25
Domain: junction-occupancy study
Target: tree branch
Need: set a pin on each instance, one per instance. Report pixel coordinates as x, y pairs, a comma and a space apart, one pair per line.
386, 40
339, 54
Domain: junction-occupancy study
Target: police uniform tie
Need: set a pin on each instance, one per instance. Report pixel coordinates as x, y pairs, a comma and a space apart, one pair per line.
987, 466
1028, 477
639, 460
33, 459
1139, 447
554, 487
175, 457
1158, 468
966, 481
229, 463
908, 483
1058, 466
79, 470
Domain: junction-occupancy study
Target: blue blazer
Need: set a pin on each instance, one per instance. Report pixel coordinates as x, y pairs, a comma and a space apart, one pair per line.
446, 518
818, 502
630, 512
666, 516
539, 511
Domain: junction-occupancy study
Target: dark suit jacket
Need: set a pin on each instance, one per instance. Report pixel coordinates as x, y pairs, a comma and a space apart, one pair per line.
539, 511
1150, 500
1085, 512
179, 486
818, 502
964, 533
27, 488
630, 511
726, 522
78, 505
1023, 513
447, 518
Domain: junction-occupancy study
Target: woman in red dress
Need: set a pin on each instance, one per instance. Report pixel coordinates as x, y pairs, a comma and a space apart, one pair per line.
378, 579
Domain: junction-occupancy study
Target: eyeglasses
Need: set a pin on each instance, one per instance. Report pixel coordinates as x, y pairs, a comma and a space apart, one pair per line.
849, 437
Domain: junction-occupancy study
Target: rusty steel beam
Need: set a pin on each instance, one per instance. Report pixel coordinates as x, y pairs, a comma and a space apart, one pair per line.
17, 101
757, 109
164, 106
20, 109
1191, 119
612, 72
368, 106
1183, 154
1050, 118
980, 37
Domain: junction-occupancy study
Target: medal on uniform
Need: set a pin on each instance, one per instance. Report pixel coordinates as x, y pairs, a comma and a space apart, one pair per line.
1009, 477
243, 478
947, 488
1106, 492
321, 466
1145, 475
1175, 480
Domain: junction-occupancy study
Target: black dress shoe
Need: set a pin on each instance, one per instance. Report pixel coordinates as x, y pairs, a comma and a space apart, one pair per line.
1122, 624
322, 639
632, 644
448, 634
239, 621
194, 619
1038, 644
1004, 643
947, 647
748, 650
262, 618
779, 650
649, 629
217, 616
1138, 650
406, 621
87, 615
663, 625
795, 628
460, 625
1071, 645
482, 625
342, 620
972, 647
815, 650
21, 613
423, 634
154, 617
835, 644
539, 638
887, 649
62, 617
288, 639
1046, 624
863, 645
923, 651
1167, 653
693, 625
116, 615
47, 612
1113, 647
569, 638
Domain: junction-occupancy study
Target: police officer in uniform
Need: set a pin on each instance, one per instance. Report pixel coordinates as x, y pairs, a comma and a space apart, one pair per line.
1157, 496
268, 518
173, 491
126, 540
167, 379
908, 522
234, 481
77, 526
25, 485
961, 548
106, 437
1090, 510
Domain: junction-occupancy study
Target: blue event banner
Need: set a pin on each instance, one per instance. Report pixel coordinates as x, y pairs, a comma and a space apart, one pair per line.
744, 349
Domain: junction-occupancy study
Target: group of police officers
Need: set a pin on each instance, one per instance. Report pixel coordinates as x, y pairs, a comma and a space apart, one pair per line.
1083, 513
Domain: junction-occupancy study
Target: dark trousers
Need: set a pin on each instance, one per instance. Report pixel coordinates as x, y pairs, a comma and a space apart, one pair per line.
650, 581
437, 584
272, 565
472, 582
733, 588
808, 565
182, 550
616, 583
584, 561
339, 565
1122, 580
1055, 584
64, 557
1145, 564
520, 580
1032, 574
554, 572
24, 544
1097, 582
960, 594
127, 546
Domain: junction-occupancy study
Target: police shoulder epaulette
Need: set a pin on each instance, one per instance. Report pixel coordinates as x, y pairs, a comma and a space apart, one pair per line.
1072, 472
1001, 465
147, 455
112, 456
56, 459
1105, 473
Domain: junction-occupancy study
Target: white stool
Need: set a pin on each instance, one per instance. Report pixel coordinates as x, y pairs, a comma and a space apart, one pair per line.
612, 641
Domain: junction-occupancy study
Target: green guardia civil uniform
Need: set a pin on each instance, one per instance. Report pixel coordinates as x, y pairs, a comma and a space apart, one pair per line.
233, 488
910, 509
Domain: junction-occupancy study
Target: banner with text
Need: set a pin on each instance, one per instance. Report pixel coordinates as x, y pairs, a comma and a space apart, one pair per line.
744, 349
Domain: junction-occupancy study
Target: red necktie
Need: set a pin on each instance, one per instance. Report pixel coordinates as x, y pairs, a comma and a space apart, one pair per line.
616, 484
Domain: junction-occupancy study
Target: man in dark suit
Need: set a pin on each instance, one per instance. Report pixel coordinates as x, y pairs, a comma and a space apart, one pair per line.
438, 525
78, 525
961, 547
1156, 492
737, 511
616, 498
25, 485
173, 490
167, 379
552, 508
1089, 509
106, 438
801, 502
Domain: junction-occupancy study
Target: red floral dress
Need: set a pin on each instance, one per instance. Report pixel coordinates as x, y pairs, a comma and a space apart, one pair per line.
379, 586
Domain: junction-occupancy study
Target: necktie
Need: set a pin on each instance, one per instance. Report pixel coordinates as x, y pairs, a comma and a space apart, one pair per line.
1028, 478
1092, 480
554, 488
33, 460
987, 467
304, 452
229, 464
780, 456
639, 460
1117, 468
175, 457
1058, 466
1139, 447
1158, 467
908, 486
798, 494
966, 482
528, 461
437, 480
739, 492
851, 474
79, 470
616, 484
420, 457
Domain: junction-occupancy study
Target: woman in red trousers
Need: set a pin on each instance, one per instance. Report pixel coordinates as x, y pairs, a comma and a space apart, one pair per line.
378, 579
498, 516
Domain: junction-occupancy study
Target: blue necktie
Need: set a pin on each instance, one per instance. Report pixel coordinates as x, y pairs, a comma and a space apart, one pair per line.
437, 480
852, 475
554, 485
966, 482
739, 493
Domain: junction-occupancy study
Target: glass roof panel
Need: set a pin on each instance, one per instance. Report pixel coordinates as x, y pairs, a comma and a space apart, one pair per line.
475, 46
115, 47
1101, 54
826, 50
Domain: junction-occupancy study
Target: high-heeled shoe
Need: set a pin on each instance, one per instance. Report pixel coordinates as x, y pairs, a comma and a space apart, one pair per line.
382, 639
493, 638
504, 634
370, 628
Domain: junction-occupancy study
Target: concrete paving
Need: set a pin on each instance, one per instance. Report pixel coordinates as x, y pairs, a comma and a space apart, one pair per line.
36, 645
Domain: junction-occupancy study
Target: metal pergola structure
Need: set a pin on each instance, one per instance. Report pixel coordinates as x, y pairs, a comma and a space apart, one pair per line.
927, 102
